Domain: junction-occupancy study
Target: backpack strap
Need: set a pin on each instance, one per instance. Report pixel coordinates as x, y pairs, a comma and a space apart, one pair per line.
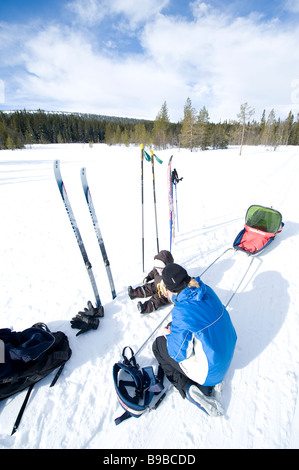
132, 360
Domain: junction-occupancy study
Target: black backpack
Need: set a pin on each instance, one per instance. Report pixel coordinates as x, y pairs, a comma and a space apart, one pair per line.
29, 356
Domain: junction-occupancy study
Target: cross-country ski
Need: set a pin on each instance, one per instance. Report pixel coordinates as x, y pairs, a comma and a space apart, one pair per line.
75, 228
96, 225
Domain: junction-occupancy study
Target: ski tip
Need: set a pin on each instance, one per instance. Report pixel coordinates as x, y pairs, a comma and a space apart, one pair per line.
56, 163
141, 146
83, 171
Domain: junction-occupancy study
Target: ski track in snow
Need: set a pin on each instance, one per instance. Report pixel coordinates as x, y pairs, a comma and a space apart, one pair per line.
43, 278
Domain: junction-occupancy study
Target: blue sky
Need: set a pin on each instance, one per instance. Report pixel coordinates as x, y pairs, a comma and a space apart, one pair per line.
126, 57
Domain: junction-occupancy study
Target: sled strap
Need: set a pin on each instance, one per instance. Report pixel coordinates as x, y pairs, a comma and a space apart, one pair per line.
122, 418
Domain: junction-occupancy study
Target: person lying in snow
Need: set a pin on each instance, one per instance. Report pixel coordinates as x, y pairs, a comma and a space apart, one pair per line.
150, 285
197, 347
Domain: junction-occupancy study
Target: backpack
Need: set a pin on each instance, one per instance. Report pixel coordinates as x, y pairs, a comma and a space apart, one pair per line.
135, 395
29, 356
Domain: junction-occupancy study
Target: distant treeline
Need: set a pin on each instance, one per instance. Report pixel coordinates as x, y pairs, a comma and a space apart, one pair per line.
195, 131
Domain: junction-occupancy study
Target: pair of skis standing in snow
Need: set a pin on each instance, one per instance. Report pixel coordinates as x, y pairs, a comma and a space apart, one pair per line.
89, 318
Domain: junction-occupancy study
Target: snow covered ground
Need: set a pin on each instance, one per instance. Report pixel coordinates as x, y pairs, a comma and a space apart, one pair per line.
43, 279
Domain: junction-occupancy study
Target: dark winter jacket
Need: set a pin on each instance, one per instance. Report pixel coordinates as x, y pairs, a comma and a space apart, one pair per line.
164, 256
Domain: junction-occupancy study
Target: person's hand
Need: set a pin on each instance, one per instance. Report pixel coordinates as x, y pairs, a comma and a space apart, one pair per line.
166, 331
162, 291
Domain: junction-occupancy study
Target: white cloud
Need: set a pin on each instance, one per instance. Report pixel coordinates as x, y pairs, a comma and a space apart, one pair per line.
227, 61
138, 12
89, 12
63, 68
292, 6
218, 61
135, 12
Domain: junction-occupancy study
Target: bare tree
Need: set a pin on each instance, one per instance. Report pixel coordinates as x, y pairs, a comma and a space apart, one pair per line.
244, 115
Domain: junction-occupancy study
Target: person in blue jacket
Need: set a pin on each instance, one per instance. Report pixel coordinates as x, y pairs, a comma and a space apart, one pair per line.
197, 347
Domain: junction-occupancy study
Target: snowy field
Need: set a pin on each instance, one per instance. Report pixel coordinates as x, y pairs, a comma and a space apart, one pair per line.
43, 279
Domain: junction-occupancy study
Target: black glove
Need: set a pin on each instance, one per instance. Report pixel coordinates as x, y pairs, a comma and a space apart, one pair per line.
84, 323
92, 311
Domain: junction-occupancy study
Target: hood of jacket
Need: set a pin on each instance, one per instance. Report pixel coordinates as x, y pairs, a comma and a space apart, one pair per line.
164, 256
191, 293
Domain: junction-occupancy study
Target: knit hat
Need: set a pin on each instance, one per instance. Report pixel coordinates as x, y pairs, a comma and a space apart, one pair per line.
175, 277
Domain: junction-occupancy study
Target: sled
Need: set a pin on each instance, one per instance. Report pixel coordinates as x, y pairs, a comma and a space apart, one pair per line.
261, 226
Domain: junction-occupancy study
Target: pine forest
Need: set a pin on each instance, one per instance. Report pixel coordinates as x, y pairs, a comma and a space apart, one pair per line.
194, 131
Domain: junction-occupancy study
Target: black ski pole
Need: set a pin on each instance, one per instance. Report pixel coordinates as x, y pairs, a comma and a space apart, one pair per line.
142, 208
154, 193
22, 409
170, 202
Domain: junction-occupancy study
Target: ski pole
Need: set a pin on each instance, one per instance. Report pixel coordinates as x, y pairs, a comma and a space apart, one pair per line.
176, 206
154, 193
142, 208
175, 180
21, 412
238, 286
170, 201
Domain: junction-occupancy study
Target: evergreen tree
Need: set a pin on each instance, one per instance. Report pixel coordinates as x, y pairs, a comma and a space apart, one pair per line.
140, 134
268, 137
188, 124
202, 129
218, 136
194, 130
294, 135
287, 128
10, 143
109, 134
125, 139
161, 127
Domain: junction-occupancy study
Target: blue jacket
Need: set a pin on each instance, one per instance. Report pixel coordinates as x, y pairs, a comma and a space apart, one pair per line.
202, 338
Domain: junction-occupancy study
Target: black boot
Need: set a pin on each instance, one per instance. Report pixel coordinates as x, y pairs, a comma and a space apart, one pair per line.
140, 307
131, 293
